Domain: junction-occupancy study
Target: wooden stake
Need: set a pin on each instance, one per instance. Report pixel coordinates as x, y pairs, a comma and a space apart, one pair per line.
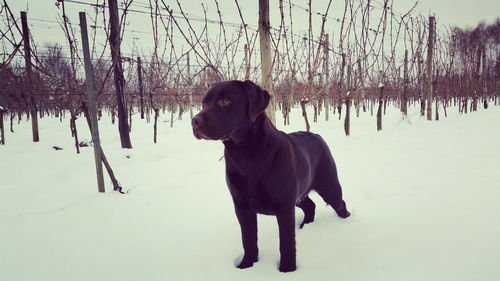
141, 89
265, 55
430, 48
247, 63
326, 73
114, 43
380, 98
190, 87
404, 98
89, 75
347, 121
2, 131
27, 59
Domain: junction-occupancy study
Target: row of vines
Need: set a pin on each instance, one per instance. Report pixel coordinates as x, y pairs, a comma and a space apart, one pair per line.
376, 55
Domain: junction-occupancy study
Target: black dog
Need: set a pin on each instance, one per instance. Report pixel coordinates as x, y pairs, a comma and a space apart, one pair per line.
267, 171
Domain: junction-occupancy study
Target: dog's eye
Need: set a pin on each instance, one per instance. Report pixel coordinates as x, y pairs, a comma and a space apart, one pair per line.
224, 102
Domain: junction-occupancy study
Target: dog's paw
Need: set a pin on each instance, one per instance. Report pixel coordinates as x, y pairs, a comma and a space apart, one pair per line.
287, 267
247, 262
306, 221
343, 213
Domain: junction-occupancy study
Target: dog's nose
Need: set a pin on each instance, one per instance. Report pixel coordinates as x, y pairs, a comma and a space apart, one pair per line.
196, 122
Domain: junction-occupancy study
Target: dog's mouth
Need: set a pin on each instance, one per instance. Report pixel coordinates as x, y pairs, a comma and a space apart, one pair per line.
200, 135
203, 136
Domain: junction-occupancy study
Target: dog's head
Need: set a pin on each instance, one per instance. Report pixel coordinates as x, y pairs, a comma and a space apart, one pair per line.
228, 108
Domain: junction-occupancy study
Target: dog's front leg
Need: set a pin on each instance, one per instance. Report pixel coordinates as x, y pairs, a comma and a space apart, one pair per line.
248, 224
286, 224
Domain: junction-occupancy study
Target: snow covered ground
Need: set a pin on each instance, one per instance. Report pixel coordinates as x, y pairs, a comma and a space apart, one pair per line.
424, 198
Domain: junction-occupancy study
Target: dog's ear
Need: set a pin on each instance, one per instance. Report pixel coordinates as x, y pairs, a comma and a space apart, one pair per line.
215, 84
258, 99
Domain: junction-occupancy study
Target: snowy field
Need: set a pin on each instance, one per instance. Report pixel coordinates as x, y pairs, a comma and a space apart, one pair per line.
424, 198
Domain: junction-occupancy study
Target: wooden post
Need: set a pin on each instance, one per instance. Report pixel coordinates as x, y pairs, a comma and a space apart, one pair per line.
380, 98
435, 89
292, 85
326, 73
477, 77
484, 88
404, 98
362, 85
265, 55
303, 102
347, 121
430, 48
420, 86
190, 87
27, 59
247, 63
341, 85
114, 43
141, 89
2, 131
286, 102
89, 75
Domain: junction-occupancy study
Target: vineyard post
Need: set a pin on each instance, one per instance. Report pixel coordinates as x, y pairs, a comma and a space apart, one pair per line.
326, 73
265, 55
435, 89
476, 86
114, 42
141, 89
286, 102
381, 95
404, 99
420, 86
362, 85
2, 131
190, 87
430, 48
483, 78
89, 75
27, 59
347, 121
247, 63
340, 86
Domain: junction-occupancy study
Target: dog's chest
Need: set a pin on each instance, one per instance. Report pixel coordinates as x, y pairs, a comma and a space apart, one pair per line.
253, 191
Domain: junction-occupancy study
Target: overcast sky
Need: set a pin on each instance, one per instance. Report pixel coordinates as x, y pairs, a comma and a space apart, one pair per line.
44, 27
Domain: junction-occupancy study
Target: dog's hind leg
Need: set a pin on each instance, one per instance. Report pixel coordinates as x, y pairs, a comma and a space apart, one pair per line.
333, 196
328, 187
308, 207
